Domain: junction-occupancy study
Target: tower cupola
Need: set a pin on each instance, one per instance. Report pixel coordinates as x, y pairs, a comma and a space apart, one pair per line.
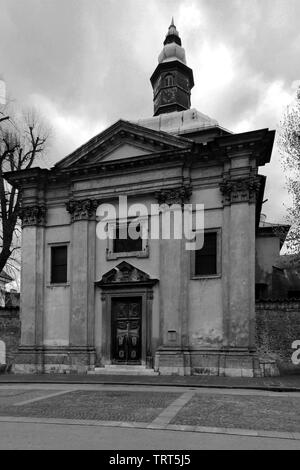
172, 79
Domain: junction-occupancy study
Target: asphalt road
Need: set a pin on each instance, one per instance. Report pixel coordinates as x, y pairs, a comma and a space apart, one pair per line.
119, 417
56, 437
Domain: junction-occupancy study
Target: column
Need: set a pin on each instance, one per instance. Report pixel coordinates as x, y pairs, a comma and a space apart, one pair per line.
82, 281
173, 356
238, 272
32, 286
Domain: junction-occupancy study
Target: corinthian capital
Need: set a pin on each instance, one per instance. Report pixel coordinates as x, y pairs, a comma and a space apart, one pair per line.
174, 195
83, 209
240, 190
33, 215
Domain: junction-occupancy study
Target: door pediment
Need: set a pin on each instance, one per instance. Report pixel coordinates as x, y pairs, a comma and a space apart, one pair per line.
125, 274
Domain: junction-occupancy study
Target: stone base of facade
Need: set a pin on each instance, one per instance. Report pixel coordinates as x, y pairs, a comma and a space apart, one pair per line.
168, 361
233, 362
172, 361
269, 367
54, 359
237, 362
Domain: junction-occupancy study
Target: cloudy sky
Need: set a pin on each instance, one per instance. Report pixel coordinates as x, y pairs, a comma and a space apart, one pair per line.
86, 63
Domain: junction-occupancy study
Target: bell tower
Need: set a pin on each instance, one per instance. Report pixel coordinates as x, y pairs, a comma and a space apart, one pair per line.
172, 79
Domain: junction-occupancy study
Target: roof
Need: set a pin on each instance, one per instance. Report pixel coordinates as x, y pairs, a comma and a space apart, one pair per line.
156, 146
178, 122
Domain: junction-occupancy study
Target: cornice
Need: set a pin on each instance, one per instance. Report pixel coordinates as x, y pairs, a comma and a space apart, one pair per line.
257, 143
171, 65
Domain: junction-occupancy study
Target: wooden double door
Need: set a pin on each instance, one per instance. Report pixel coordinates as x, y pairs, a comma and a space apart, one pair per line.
126, 330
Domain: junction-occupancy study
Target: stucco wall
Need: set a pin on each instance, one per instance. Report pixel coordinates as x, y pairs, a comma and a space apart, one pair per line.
277, 326
56, 298
205, 294
205, 325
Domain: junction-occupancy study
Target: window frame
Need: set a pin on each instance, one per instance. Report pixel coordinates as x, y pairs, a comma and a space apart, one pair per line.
218, 274
169, 77
112, 255
58, 284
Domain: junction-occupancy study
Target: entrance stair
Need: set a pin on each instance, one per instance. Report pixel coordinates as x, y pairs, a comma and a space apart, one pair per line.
117, 369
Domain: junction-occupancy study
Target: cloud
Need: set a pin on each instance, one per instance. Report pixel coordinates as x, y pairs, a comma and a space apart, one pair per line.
69, 130
87, 63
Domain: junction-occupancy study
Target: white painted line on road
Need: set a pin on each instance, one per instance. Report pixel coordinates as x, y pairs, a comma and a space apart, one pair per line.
44, 397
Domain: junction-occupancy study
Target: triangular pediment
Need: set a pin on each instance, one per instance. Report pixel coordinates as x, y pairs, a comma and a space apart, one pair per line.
125, 150
125, 273
120, 141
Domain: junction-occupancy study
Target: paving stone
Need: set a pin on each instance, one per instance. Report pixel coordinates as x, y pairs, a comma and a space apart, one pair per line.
98, 405
239, 412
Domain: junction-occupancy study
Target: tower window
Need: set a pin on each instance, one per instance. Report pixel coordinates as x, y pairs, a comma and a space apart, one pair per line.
169, 80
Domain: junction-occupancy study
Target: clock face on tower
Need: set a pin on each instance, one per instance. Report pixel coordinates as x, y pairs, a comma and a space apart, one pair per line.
168, 95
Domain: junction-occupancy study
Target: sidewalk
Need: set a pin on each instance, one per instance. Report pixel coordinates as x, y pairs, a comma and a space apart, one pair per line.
287, 383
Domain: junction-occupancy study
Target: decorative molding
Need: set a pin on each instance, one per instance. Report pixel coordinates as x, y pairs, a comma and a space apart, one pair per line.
174, 195
149, 294
33, 215
83, 209
240, 190
125, 274
143, 253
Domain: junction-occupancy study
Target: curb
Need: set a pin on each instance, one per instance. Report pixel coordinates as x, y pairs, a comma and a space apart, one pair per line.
271, 388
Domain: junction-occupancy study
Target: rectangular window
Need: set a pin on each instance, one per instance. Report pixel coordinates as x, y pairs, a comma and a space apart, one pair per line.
59, 264
128, 244
206, 262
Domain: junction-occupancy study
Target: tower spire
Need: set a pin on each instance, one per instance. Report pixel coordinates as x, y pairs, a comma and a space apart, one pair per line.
172, 79
172, 34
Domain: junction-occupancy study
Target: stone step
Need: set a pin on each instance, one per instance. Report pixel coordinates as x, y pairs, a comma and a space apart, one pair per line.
115, 369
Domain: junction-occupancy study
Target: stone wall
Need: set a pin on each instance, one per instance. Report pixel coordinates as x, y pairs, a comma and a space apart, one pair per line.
277, 327
10, 331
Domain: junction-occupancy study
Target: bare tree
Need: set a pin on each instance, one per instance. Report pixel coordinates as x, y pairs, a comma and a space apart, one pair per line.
22, 142
289, 145
3, 117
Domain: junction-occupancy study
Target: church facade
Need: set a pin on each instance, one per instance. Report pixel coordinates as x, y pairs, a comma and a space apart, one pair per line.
90, 304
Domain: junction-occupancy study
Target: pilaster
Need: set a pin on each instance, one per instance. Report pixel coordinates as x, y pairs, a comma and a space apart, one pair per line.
32, 273
239, 198
83, 220
173, 354
28, 358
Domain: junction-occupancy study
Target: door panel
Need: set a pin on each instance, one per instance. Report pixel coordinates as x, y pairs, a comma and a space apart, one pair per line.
126, 330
